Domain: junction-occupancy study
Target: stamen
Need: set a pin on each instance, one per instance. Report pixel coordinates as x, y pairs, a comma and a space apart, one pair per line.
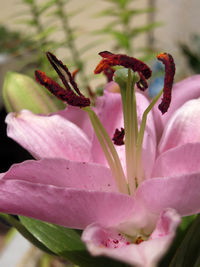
109, 151
109, 72
63, 73
65, 95
168, 61
136, 65
139, 165
118, 137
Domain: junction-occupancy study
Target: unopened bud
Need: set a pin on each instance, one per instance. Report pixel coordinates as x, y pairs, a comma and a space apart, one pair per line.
22, 92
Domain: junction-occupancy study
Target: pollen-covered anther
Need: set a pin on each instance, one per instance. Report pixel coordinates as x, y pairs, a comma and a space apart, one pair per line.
65, 95
136, 65
118, 137
168, 61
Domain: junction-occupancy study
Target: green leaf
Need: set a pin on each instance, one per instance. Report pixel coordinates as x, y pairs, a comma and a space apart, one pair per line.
120, 3
107, 12
23, 231
146, 28
188, 253
45, 6
181, 234
122, 39
65, 243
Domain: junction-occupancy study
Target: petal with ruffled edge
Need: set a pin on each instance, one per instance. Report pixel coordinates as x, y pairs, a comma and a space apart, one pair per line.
183, 127
178, 161
182, 92
112, 243
48, 136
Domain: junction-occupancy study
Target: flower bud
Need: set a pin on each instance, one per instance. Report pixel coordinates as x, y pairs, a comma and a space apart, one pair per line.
22, 92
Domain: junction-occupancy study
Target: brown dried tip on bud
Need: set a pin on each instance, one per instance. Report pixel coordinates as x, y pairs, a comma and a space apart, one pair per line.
136, 65
73, 98
65, 95
168, 61
118, 137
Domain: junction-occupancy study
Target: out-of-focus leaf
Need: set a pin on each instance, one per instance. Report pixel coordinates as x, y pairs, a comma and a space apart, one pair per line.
122, 39
192, 57
30, 2
120, 3
30, 22
45, 6
146, 28
183, 230
90, 45
65, 243
23, 231
107, 29
48, 31
188, 254
107, 12
141, 11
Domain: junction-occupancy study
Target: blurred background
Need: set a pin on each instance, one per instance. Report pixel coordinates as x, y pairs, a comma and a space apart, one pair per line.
76, 31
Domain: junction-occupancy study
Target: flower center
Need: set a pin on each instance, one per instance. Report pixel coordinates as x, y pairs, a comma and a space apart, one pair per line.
135, 73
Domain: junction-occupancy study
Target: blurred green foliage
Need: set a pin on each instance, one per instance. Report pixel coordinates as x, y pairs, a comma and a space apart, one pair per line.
192, 53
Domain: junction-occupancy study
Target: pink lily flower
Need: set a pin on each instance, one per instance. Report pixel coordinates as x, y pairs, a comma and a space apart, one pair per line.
72, 183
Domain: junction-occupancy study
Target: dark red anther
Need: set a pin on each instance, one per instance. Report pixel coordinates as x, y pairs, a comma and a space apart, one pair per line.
72, 96
65, 95
168, 61
136, 65
63, 72
109, 73
118, 137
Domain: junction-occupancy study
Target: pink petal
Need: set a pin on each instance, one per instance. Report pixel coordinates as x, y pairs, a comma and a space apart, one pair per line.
111, 243
182, 91
183, 127
178, 192
112, 87
79, 118
69, 207
109, 110
48, 136
63, 173
178, 161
